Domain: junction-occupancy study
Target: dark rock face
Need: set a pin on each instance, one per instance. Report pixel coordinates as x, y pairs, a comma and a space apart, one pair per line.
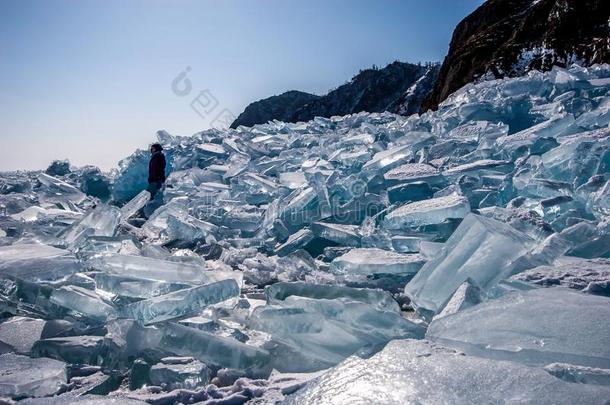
509, 37
280, 107
371, 90
399, 88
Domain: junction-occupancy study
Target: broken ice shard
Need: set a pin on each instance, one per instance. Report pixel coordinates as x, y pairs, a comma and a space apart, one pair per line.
135, 287
292, 180
599, 202
35, 213
466, 296
211, 149
295, 241
101, 221
157, 222
181, 303
387, 159
406, 244
99, 245
318, 182
556, 126
22, 376
298, 207
187, 230
482, 249
368, 261
134, 205
346, 235
132, 338
432, 211
535, 327
83, 301
180, 372
502, 166
60, 190
429, 373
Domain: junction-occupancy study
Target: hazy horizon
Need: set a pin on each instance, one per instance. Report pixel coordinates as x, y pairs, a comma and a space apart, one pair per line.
91, 81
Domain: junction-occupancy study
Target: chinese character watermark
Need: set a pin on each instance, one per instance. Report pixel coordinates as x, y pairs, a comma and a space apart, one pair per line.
205, 104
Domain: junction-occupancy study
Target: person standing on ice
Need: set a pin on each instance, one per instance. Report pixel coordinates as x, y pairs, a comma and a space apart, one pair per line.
156, 169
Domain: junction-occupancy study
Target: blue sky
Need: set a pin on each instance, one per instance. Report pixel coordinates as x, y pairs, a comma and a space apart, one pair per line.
91, 81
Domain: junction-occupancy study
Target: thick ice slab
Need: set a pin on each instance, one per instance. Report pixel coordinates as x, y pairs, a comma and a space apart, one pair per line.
536, 327
41, 269
36, 262
83, 301
425, 212
74, 349
482, 249
149, 268
215, 350
21, 376
181, 303
312, 334
19, 333
175, 339
579, 374
366, 261
378, 298
587, 275
410, 371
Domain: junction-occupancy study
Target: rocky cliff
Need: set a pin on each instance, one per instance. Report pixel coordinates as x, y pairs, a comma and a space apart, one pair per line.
509, 37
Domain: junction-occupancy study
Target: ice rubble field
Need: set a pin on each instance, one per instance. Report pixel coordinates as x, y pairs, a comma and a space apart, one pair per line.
460, 256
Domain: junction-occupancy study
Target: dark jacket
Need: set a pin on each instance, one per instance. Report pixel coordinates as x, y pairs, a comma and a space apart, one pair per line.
156, 168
